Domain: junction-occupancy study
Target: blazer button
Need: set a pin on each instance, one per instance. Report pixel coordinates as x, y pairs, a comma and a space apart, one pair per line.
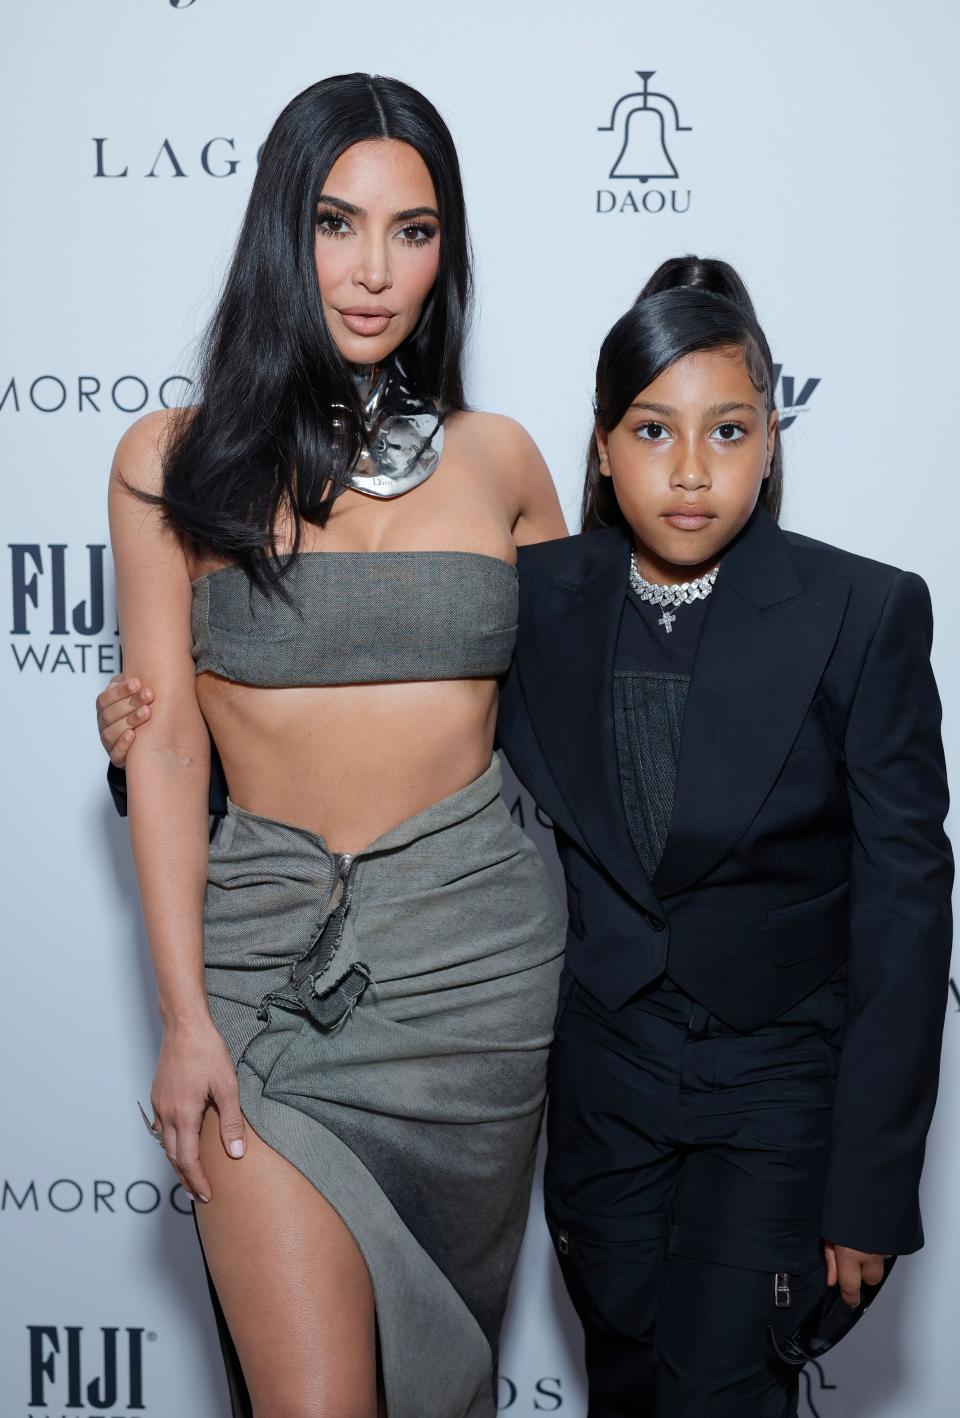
656, 923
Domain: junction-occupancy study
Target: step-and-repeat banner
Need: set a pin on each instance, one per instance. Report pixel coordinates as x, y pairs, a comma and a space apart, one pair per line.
812, 146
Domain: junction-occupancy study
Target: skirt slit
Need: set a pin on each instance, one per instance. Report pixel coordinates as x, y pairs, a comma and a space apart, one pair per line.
390, 1025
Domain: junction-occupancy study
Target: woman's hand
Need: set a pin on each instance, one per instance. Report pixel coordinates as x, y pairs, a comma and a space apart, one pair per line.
847, 1268
122, 708
194, 1070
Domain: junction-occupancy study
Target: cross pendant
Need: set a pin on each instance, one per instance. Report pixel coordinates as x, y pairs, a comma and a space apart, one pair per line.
666, 620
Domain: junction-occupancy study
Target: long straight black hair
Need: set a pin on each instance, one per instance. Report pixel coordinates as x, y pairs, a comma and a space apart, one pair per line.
688, 304
278, 424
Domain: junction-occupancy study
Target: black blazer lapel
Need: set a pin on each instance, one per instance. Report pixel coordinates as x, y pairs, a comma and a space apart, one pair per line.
565, 660
763, 648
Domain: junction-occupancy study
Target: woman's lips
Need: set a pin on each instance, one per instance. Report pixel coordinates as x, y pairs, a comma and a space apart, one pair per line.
366, 320
688, 520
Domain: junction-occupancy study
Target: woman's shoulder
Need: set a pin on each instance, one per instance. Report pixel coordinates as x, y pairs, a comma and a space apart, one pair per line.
496, 430
496, 442
504, 454
138, 460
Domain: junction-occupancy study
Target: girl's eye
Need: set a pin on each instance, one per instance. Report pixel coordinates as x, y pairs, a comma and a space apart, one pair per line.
417, 234
730, 432
332, 224
651, 432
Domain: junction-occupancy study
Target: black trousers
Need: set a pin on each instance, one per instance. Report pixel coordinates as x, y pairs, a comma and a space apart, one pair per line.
684, 1175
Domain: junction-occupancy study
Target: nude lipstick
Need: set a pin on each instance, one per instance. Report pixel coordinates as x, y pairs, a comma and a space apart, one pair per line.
366, 319
688, 519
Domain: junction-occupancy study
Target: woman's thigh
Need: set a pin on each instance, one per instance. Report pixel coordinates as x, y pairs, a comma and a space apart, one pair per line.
293, 1285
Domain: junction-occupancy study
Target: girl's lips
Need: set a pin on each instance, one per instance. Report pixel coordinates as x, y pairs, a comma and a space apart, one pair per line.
688, 521
366, 322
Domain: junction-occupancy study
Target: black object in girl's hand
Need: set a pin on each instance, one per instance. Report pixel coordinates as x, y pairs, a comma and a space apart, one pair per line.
830, 1320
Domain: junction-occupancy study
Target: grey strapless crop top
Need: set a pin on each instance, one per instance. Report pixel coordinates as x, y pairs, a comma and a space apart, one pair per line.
360, 618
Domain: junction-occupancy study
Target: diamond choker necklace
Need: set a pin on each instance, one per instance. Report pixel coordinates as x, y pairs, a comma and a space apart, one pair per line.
683, 595
404, 434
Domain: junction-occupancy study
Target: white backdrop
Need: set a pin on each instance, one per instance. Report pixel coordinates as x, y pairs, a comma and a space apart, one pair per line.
816, 152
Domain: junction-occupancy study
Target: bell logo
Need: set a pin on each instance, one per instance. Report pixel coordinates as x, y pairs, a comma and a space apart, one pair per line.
644, 154
644, 122
69, 1372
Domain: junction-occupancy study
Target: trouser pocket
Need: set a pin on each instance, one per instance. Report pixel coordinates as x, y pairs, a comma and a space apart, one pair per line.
611, 1276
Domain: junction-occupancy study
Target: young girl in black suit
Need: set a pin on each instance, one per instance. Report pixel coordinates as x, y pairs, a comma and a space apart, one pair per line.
736, 732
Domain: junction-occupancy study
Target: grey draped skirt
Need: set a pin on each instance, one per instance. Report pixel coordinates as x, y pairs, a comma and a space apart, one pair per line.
390, 1016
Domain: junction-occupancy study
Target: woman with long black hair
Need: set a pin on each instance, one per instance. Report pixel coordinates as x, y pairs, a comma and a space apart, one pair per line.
357, 978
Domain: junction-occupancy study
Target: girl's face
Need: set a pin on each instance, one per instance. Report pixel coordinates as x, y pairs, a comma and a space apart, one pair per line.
377, 247
688, 460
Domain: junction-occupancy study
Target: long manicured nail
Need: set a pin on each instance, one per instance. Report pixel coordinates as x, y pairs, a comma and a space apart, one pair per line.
237, 1148
202, 1197
189, 1194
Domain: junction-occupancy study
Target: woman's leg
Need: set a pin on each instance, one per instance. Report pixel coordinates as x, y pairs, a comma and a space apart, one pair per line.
294, 1287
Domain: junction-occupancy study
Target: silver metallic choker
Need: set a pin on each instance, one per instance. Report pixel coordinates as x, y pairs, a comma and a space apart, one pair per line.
404, 434
683, 595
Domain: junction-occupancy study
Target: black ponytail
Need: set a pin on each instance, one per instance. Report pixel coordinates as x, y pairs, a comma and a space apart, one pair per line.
690, 303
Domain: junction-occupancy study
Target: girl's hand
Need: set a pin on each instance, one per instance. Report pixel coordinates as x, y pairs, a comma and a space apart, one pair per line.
122, 708
847, 1268
193, 1071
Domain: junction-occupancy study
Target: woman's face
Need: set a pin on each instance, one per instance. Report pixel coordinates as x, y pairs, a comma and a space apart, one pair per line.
688, 460
377, 247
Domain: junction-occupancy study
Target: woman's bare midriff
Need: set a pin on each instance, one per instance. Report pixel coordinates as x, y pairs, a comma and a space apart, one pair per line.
350, 761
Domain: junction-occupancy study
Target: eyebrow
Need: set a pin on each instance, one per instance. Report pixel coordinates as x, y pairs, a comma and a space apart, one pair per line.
715, 411
353, 211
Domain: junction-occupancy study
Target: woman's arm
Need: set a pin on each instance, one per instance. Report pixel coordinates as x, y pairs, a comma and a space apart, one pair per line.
122, 708
167, 770
539, 516
168, 773
528, 490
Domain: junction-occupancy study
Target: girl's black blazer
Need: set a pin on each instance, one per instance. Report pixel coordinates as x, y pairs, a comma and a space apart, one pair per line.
807, 834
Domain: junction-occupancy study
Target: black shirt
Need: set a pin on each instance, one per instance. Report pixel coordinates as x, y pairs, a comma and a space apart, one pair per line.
656, 647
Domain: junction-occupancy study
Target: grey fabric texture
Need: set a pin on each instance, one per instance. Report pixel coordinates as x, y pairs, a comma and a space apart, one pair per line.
360, 618
391, 1028
648, 708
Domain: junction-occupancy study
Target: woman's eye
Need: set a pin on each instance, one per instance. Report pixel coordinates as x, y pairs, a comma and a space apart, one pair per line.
332, 224
730, 432
651, 432
416, 234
